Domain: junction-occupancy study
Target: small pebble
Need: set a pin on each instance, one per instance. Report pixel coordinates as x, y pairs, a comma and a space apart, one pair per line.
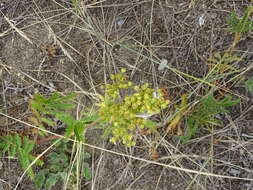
120, 22
234, 172
201, 20
163, 64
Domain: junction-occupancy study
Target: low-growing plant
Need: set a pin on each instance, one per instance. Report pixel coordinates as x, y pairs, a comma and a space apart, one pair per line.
249, 84
125, 108
52, 109
239, 25
48, 111
221, 63
204, 115
19, 147
57, 168
180, 113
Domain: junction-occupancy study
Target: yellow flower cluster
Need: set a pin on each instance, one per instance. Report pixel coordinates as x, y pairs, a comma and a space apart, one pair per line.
121, 113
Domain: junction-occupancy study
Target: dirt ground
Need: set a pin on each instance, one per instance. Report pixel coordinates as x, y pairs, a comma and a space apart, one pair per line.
48, 45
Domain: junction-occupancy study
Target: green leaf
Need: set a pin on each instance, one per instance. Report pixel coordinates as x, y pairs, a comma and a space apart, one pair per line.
67, 98
56, 167
86, 155
62, 106
15, 147
37, 106
69, 130
7, 143
38, 162
17, 141
63, 175
40, 179
54, 97
89, 119
151, 125
39, 98
79, 130
204, 114
42, 133
66, 118
54, 112
86, 171
48, 121
51, 181
12, 151
191, 130
28, 145
57, 158
249, 84
238, 25
25, 162
53, 156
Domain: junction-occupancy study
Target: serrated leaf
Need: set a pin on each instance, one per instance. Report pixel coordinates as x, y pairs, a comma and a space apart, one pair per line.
13, 151
7, 147
41, 133
89, 119
51, 181
67, 98
25, 143
24, 162
30, 146
17, 141
62, 106
55, 112
40, 179
191, 130
21, 149
66, 118
238, 25
86, 155
249, 84
54, 97
69, 131
55, 167
86, 171
205, 114
48, 121
34, 120
39, 98
78, 130
53, 156
151, 125
37, 106
57, 158
38, 162
63, 175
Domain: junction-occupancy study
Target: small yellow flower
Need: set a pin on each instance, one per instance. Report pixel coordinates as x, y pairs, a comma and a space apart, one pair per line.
130, 84
112, 77
113, 140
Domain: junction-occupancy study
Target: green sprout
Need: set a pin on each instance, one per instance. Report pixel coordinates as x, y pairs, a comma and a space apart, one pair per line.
244, 24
